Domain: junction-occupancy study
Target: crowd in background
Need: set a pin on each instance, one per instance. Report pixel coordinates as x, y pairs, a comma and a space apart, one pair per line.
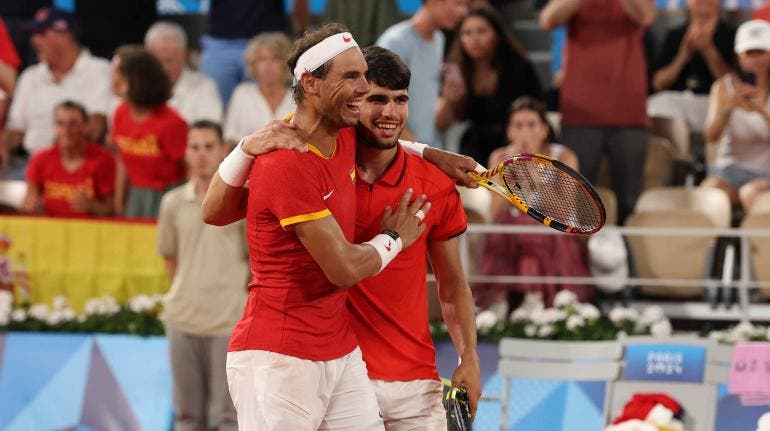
99, 127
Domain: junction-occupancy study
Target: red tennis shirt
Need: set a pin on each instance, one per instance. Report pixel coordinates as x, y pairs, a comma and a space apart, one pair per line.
292, 308
95, 177
389, 311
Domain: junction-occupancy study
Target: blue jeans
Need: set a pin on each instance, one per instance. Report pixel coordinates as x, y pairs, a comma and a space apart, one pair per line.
222, 60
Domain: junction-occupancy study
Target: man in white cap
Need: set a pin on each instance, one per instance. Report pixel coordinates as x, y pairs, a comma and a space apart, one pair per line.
293, 360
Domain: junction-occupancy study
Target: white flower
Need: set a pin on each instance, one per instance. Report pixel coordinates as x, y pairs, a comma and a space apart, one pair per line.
5, 318
530, 330
661, 328
60, 302
68, 315
39, 312
6, 299
622, 314
575, 321
548, 316
19, 315
104, 306
110, 305
564, 299
588, 311
520, 315
622, 335
141, 303
486, 320
82, 318
716, 335
55, 317
545, 331
742, 331
651, 315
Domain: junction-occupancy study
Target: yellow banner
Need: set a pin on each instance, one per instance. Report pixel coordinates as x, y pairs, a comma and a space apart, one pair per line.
79, 259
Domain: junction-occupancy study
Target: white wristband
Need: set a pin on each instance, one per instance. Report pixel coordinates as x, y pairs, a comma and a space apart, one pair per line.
236, 167
413, 148
386, 247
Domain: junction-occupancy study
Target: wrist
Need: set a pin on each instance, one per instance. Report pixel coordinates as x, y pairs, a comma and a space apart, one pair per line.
387, 245
236, 167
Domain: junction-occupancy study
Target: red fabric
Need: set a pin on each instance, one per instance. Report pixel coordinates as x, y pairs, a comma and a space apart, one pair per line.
531, 254
8, 52
640, 405
388, 311
605, 71
95, 177
152, 150
292, 308
762, 12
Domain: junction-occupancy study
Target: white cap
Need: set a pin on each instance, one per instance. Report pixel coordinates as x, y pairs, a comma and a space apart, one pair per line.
754, 34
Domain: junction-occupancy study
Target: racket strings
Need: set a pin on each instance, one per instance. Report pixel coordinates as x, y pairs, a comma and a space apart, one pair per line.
551, 191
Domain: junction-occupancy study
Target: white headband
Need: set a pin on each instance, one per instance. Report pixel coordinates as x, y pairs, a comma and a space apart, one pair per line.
322, 52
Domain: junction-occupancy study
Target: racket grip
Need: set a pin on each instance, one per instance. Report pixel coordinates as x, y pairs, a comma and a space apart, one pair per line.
479, 169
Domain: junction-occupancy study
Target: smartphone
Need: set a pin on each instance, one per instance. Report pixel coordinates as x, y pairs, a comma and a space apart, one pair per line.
749, 78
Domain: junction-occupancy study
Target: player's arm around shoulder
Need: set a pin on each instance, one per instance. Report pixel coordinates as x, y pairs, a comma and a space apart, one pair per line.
226, 199
457, 308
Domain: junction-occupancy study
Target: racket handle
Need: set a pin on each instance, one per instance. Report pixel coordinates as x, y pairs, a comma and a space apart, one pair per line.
479, 169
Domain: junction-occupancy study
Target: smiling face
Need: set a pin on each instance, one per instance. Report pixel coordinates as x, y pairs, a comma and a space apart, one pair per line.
383, 116
70, 128
343, 89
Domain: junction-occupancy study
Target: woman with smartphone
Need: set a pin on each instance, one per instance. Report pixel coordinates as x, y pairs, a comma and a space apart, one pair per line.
739, 119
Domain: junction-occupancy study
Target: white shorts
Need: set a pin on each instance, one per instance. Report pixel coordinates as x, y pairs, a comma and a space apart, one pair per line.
412, 405
272, 391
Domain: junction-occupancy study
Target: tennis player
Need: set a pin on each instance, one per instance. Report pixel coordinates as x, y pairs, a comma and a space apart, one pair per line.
293, 361
389, 311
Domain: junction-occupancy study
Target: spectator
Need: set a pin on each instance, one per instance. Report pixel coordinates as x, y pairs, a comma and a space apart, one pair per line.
202, 306
366, 19
420, 44
65, 72
73, 178
254, 104
738, 118
495, 71
9, 66
529, 254
604, 93
149, 135
231, 23
194, 95
694, 54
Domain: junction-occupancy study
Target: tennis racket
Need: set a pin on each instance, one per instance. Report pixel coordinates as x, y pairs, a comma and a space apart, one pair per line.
548, 191
458, 414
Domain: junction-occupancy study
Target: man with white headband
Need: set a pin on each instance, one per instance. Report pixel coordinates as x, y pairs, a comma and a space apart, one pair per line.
293, 362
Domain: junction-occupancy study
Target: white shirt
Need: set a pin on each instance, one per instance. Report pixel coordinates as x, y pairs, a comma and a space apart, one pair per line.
196, 97
249, 110
37, 94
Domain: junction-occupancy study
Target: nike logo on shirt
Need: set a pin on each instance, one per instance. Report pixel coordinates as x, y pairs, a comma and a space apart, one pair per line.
328, 195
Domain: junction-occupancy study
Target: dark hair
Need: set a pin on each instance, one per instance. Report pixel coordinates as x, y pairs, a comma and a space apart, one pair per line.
148, 84
506, 51
386, 68
309, 39
210, 125
528, 103
73, 106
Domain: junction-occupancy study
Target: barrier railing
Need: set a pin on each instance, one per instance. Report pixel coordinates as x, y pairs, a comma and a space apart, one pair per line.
743, 284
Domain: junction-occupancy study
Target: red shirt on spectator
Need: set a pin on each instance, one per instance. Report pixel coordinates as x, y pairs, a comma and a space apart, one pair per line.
389, 312
151, 150
605, 71
95, 177
8, 54
292, 307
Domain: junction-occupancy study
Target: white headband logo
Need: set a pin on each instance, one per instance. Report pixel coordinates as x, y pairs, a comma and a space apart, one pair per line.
322, 52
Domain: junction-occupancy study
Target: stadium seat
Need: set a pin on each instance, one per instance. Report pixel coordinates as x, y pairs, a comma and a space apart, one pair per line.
758, 217
679, 257
676, 131
610, 204
12, 193
658, 166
